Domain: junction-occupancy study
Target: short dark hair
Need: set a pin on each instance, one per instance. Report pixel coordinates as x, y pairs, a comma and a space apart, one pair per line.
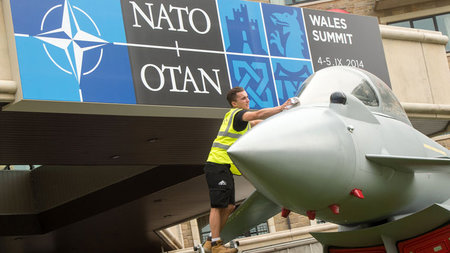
231, 95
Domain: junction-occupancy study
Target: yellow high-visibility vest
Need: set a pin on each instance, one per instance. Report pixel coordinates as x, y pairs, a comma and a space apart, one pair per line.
225, 138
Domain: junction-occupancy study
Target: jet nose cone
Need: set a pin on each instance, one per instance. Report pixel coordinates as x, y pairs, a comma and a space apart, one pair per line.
306, 151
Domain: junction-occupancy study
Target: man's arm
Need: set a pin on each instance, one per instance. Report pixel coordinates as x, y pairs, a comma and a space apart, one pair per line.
265, 113
255, 122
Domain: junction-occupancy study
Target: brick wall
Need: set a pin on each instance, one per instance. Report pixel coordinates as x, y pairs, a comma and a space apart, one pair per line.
445, 143
361, 7
187, 234
444, 140
448, 59
367, 7
415, 7
295, 220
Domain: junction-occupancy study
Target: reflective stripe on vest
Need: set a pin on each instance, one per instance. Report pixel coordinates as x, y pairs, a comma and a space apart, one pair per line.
219, 145
225, 138
229, 134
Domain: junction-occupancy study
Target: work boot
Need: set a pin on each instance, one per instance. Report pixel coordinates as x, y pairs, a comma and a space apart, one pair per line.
219, 248
207, 246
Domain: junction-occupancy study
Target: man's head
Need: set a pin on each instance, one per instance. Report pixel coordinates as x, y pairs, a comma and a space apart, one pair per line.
238, 98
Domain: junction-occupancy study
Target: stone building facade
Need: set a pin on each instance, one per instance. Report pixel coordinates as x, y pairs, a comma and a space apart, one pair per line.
387, 11
275, 224
294, 220
376, 8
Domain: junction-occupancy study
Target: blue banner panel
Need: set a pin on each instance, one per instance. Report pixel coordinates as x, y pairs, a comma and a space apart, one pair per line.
285, 31
289, 76
68, 51
254, 74
242, 27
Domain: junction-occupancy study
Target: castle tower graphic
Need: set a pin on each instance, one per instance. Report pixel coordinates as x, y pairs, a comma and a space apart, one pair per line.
244, 33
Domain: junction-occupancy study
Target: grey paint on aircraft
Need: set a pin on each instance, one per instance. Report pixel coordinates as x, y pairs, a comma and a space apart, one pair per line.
312, 156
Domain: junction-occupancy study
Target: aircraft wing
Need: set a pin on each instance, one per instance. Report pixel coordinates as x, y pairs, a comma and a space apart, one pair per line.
255, 210
412, 164
407, 227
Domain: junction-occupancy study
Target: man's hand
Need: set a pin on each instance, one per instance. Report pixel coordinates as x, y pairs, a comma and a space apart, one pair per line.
291, 102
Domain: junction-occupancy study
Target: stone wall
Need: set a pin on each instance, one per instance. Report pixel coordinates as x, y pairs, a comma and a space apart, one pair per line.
362, 7
294, 220
414, 7
444, 139
448, 60
445, 142
367, 7
5, 71
187, 234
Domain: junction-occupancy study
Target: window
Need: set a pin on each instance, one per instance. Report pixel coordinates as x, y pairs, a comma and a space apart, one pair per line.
18, 167
262, 228
439, 23
204, 232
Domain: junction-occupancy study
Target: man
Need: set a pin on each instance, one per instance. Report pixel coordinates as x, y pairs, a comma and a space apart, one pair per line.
219, 168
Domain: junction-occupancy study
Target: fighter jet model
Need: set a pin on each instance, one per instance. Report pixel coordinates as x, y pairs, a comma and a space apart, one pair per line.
347, 155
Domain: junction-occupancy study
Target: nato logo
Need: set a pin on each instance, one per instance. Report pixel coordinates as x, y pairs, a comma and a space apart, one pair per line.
68, 51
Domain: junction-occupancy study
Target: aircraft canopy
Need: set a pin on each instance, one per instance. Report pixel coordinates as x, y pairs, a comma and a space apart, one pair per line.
368, 88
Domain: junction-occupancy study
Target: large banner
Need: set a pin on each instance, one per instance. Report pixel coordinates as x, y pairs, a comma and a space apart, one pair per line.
183, 52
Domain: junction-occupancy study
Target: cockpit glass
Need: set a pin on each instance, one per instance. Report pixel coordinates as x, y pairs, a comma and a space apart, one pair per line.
365, 93
369, 89
390, 106
318, 87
